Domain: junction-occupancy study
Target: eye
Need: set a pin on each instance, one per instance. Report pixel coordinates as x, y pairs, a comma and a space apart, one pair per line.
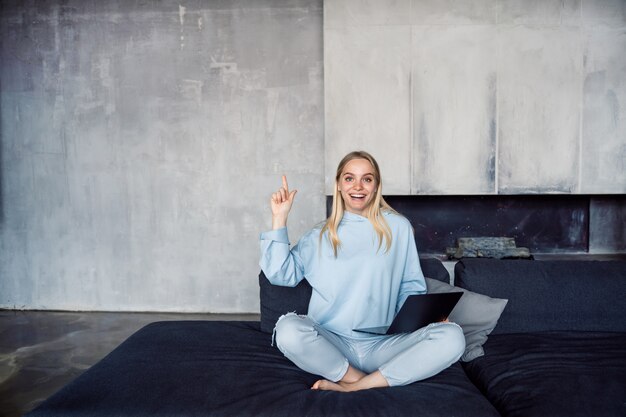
348, 179
368, 179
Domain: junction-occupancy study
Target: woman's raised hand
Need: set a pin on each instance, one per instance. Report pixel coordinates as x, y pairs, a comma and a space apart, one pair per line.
281, 203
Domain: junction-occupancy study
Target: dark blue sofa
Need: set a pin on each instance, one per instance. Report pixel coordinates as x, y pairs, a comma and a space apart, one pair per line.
559, 349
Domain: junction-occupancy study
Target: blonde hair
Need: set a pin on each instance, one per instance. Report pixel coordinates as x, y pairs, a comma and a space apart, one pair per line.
373, 212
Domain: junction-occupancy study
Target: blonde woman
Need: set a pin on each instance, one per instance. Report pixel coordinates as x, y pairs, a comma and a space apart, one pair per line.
362, 264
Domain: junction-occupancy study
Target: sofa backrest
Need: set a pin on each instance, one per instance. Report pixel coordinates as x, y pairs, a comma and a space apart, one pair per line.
550, 295
276, 301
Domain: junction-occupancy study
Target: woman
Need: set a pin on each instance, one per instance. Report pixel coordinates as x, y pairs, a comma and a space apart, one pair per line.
362, 264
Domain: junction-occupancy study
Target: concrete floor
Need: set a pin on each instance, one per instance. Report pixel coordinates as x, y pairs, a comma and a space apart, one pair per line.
40, 352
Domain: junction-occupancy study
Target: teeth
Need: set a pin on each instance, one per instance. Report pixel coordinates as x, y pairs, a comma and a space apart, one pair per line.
358, 195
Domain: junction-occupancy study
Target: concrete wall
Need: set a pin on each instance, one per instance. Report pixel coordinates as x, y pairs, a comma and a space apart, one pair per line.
140, 142
479, 97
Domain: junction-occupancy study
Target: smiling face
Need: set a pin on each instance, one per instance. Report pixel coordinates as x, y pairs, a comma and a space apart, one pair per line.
357, 185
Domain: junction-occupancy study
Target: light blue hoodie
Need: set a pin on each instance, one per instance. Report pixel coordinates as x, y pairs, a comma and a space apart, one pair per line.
363, 287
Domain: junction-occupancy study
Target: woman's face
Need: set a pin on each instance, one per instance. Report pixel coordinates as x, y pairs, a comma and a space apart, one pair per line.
357, 185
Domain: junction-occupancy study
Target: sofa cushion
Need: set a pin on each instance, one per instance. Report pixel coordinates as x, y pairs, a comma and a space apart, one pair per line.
277, 300
554, 374
550, 295
433, 268
194, 368
477, 315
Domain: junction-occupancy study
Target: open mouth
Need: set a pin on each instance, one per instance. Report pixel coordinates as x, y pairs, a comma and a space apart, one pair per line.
358, 197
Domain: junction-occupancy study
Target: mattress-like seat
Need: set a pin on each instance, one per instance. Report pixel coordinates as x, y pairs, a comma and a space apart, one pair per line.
204, 368
557, 374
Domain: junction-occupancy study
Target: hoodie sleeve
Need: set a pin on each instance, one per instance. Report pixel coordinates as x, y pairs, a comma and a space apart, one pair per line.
413, 281
281, 265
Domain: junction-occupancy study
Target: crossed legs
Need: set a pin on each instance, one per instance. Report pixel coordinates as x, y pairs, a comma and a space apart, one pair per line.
387, 361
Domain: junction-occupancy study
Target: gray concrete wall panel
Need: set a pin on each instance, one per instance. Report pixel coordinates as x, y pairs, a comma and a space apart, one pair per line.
539, 12
604, 111
344, 13
453, 12
454, 109
367, 104
539, 109
140, 143
554, 67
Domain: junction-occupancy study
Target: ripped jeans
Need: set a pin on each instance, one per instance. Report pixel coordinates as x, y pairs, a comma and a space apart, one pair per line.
401, 358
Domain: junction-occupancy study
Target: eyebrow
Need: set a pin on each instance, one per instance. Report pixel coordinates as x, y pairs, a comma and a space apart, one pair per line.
350, 173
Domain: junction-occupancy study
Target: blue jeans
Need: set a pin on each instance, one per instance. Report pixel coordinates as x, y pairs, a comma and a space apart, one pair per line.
401, 358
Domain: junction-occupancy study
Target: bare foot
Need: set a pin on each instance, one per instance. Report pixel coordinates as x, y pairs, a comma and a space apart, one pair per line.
324, 385
373, 380
352, 376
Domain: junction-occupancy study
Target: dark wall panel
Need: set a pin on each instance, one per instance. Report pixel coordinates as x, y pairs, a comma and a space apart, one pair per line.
542, 223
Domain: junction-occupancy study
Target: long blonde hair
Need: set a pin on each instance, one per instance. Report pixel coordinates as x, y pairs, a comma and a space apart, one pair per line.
374, 211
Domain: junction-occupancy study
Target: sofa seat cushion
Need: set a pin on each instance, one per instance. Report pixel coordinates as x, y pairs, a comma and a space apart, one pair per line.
554, 374
202, 368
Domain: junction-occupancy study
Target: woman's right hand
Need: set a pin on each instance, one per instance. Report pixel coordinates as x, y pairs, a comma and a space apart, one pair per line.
281, 203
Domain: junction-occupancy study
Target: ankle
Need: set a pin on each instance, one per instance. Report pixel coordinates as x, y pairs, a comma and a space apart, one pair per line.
352, 375
351, 379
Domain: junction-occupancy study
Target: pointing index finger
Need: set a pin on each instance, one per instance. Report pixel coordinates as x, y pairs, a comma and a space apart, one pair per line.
285, 186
